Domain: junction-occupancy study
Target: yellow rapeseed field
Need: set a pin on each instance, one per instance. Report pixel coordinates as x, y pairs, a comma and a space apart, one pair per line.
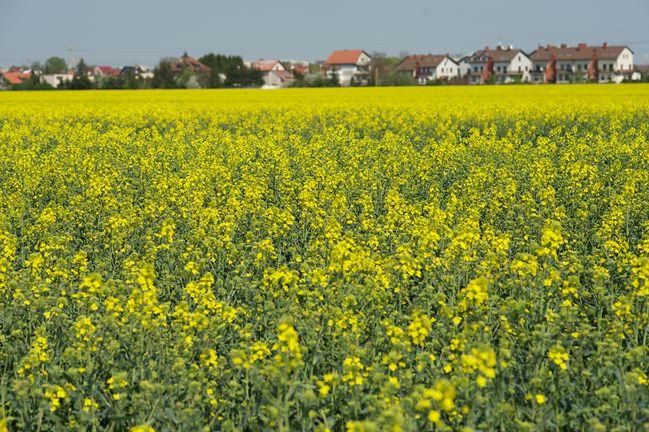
342, 259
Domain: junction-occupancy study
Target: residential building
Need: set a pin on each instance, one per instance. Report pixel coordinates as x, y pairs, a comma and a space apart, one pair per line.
640, 72
426, 68
100, 72
138, 71
565, 64
351, 67
278, 78
56, 80
12, 77
275, 73
502, 65
187, 62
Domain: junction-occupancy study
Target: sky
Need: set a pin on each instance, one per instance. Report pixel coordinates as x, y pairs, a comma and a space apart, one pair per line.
121, 32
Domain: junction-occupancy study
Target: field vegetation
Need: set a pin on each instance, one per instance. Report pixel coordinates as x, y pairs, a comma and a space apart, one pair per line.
338, 259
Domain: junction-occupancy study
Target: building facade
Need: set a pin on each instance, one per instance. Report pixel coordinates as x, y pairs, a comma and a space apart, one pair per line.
581, 63
350, 66
428, 68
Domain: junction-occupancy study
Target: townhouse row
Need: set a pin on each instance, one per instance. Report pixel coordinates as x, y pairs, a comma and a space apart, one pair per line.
547, 64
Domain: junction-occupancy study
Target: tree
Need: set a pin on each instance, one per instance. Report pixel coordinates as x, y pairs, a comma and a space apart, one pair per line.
82, 68
235, 71
54, 65
333, 80
382, 68
163, 76
80, 81
216, 64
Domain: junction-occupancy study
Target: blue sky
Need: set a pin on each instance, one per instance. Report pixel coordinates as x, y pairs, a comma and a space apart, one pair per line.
120, 32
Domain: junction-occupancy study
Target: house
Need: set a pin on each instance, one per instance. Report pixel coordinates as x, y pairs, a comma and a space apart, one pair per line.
274, 73
100, 72
278, 78
640, 72
426, 68
187, 62
351, 67
138, 71
55, 80
502, 65
11, 78
565, 64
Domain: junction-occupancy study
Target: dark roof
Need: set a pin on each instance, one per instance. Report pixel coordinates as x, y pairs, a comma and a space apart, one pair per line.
422, 61
580, 52
498, 55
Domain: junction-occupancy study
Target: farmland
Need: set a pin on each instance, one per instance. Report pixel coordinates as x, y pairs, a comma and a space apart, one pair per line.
341, 259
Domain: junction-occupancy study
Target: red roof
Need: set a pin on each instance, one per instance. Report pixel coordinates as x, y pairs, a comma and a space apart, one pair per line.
265, 65
108, 70
344, 57
188, 62
16, 77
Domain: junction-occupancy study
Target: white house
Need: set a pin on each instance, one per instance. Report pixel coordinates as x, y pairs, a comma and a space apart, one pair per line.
604, 63
351, 67
275, 73
278, 78
503, 65
55, 80
429, 67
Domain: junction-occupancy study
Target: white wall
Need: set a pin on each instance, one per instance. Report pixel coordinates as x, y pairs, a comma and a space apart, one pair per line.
56, 79
521, 64
447, 69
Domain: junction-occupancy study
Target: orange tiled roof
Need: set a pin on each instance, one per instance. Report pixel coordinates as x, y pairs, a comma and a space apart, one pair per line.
344, 57
16, 77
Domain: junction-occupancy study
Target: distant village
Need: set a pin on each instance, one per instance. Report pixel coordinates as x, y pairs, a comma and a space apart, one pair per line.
549, 64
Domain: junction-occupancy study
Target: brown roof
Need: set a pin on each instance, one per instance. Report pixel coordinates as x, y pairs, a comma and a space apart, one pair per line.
16, 77
500, 54
283, 75
422, 61
265, 65
188, 62
580, 52
344, 57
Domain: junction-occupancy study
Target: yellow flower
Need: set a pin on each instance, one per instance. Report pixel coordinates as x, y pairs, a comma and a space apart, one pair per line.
434, 416
142, 428
540, 399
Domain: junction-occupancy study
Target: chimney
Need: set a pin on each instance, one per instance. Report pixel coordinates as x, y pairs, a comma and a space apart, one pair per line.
564, 45
499, 47
605, 45
581, 46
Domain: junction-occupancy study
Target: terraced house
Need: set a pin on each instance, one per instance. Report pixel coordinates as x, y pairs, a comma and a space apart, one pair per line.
566, 64
428, 67
502, 65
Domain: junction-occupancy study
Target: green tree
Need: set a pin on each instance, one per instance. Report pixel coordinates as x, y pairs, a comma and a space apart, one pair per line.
54, 65
163, 76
